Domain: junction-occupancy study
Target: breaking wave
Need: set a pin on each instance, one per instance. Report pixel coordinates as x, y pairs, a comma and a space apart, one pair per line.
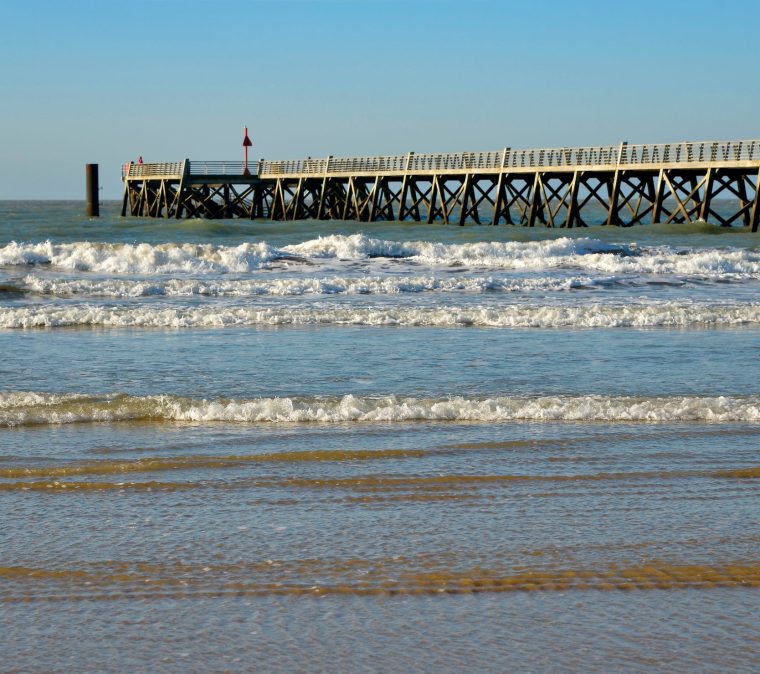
590, 315
30, 408
142, 258
335, 285
581, 253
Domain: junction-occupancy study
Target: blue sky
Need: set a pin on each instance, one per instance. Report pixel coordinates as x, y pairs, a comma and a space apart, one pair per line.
85, 81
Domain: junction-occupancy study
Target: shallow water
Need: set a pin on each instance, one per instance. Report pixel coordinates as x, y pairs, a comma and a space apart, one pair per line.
323, 446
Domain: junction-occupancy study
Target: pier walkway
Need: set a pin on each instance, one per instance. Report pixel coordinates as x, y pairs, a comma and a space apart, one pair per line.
716, 181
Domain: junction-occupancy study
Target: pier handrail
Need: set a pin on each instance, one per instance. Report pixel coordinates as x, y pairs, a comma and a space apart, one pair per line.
570, 157
139, 170
159, 169
222, 168
623, 155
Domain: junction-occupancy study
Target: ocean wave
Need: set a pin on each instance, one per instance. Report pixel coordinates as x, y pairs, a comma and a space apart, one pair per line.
141, 258
590, 315
144, 258
31, 408
512, 254
581, 253
335, 285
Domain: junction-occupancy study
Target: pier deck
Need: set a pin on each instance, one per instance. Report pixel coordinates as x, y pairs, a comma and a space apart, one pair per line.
631, 184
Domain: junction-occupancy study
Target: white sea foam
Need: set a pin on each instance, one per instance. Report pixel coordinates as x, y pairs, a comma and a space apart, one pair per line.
120, 287
582, 253
500, 255
143, 258
23, 408
590, 315
16, 399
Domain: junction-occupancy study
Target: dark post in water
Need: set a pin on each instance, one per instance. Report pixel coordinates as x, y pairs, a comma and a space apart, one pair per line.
93, 205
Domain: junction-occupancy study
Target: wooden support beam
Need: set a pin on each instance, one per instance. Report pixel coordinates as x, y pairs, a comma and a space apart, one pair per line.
484, 195
374, 196
181, 189
535, 200
466, 199
125, 199
402, 208
743, 200
349, 200
419, 197
500, 199
336, 198
519, 196
226, 201
755, 216
500, 195
386, 200
295, 209
572, 206
592, 193
674, 192
659, 197
613, 211
431, 205
322, 197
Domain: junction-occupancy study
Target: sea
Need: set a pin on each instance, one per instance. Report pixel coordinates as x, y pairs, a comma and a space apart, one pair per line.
252, 446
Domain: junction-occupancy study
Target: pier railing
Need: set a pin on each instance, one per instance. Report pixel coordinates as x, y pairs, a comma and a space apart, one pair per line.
177, 168
222, 168
572, 158
155, 170
655, 182
568, 157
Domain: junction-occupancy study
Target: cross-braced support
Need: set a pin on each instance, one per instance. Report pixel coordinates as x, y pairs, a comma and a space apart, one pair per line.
561, 187
514, 195
632, 197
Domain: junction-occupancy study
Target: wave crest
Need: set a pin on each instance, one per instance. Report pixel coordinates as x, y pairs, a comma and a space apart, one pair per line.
29, 408
141, 258
596, 315
569, 253
144, 258
288, 287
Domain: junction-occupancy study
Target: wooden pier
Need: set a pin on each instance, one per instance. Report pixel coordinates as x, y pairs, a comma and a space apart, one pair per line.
629, 184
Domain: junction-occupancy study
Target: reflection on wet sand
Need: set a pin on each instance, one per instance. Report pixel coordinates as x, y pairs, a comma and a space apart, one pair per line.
441, 484
356, 577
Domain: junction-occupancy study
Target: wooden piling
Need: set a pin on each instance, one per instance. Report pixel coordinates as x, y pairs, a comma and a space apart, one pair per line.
91, 190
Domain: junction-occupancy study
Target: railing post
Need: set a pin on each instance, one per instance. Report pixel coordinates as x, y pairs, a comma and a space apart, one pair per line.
622, 153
